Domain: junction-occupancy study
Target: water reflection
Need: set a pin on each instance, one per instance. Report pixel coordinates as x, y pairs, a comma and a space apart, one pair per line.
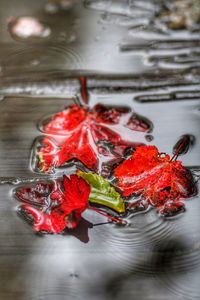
152, 258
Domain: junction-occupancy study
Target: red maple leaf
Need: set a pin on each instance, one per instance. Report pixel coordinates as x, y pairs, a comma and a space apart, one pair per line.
157, 180
56, 206
98, 138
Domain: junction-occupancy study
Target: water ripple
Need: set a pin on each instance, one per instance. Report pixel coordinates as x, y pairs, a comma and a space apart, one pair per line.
58, 56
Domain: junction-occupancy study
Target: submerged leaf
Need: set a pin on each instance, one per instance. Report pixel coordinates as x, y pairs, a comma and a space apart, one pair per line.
102, 192
56, 206
98, 138
156, 179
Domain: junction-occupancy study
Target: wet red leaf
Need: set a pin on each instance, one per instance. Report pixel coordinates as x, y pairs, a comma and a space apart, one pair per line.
56, 206
97, 137
156, 179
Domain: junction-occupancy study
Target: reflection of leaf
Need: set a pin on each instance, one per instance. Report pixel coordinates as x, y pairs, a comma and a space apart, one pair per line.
52, 208
189, 142
101, 192
97, 137
81, 231
155, 178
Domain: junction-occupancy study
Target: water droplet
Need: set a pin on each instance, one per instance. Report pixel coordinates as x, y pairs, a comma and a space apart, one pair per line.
97, 38
35, 62
51, 8
149, 137
16, 181
147, 60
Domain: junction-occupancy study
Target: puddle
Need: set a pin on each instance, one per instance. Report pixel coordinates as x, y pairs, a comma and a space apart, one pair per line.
132, 58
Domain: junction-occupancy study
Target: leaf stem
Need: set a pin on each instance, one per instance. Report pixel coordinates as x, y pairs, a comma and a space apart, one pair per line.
105, 215
83, 92
179, 148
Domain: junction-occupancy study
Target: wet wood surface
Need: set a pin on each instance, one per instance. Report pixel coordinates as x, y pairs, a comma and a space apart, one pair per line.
151, 258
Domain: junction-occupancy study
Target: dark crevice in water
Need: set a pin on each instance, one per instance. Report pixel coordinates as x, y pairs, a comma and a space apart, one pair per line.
97, 82
21, 180
162, 45
173, 96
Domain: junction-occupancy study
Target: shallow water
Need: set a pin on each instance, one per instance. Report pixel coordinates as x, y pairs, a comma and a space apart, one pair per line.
152, 70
